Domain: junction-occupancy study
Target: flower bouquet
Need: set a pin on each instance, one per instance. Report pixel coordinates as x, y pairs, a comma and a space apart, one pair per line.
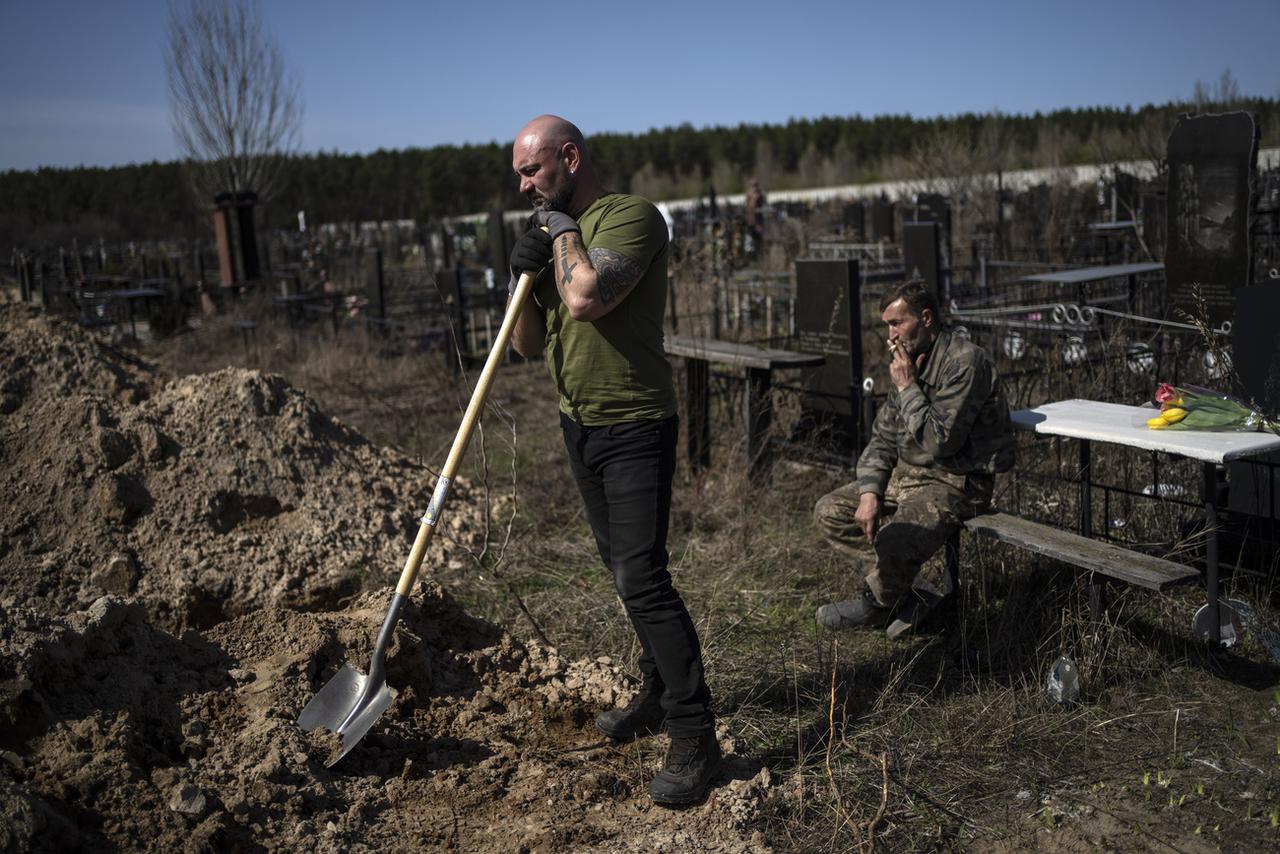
1195, 408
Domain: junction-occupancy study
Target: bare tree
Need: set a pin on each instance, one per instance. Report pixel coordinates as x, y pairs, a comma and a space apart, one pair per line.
1225, 95
237, 111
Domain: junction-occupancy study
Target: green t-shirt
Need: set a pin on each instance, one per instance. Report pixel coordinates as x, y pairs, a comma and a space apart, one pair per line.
613, 370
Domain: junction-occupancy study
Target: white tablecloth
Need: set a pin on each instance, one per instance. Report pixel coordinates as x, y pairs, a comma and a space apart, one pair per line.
1127, 425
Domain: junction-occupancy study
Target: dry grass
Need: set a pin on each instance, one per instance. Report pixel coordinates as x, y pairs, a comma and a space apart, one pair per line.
945, 740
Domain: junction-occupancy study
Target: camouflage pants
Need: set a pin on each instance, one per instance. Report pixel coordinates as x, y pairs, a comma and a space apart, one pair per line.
921, 509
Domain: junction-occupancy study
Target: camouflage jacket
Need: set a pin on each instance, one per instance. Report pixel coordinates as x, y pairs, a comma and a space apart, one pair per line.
953, 417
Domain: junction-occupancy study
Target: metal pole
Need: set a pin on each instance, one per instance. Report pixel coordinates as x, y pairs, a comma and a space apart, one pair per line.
1209, 483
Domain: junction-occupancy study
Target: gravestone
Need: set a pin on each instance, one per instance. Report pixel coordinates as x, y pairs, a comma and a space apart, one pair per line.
881, 220
1255, 343
376, 286
250, 267
1211, 162
922, 256
855, 222
1266, 227
1255, 352
222, 236
455, 317
499, 248
1153, 221
827, 318
934, 207
1124, 197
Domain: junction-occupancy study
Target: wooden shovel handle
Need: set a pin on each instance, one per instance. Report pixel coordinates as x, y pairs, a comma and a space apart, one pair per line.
478, 396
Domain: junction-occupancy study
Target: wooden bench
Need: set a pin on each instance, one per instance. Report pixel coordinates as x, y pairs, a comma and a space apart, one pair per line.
760, 363
1094, 556
1109, 559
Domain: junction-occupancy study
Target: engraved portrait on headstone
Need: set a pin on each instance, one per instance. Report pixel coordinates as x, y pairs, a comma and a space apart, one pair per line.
1211, 163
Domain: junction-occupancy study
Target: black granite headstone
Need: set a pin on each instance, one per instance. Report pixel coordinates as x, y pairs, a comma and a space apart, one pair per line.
921, 253
455, 318
934, 207
827, 322
1211, 162
1153, 221
376, 286
499, 251
882, 220
855, 222
250, 267
1255, 352
1124, 197
1255, 343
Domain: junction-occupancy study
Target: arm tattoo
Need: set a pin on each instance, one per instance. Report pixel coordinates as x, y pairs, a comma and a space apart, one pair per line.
616, 274
570, 240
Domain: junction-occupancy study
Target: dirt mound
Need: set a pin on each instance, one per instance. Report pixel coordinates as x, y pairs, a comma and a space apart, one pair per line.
183, 565
44, 357
216, 495
117, 734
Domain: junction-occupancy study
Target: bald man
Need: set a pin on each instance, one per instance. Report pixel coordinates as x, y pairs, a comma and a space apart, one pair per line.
596, 314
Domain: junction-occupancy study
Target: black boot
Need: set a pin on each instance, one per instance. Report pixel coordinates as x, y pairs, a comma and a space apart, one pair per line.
863, 612
642, 716
690, 767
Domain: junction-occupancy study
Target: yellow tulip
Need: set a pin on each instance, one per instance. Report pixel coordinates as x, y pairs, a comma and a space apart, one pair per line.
1173, 414
1157, 423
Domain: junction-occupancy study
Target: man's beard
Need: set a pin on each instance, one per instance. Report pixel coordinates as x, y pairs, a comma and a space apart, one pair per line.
558, 201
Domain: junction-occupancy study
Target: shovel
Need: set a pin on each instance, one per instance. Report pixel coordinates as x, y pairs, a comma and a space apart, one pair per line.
351, 702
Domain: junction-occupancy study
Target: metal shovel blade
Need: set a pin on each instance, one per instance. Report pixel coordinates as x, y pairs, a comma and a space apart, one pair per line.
348, 704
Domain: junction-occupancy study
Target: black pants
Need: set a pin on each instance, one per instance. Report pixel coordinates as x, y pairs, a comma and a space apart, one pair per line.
624, 474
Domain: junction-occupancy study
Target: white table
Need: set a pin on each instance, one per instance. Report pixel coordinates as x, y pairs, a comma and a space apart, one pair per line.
1116, 424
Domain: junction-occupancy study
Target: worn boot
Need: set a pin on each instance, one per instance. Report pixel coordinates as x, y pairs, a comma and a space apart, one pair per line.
642, 716
863, 612
690, 766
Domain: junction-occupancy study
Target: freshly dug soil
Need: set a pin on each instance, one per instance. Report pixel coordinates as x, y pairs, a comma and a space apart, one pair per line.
186, 563
121, 735
206, 497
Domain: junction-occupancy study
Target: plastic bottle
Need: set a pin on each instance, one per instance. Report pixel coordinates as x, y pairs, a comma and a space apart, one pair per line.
1063, 684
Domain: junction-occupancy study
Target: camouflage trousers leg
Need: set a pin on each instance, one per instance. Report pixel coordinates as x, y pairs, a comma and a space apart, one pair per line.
921, 510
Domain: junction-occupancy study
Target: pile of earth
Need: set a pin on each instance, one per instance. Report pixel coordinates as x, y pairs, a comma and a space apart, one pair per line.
206, 497
116, 734
43, 357
187, 562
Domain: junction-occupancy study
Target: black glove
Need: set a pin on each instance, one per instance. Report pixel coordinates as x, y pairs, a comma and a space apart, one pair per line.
557, 223
531, 253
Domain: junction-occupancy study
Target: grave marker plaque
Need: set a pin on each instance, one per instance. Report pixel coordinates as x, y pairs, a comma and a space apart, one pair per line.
827, 322
1211, 163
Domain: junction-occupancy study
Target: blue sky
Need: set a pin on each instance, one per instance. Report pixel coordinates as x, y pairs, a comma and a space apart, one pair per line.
83, 82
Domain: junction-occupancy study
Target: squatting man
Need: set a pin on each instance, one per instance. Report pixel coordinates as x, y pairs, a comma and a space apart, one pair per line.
939, 439
596, 313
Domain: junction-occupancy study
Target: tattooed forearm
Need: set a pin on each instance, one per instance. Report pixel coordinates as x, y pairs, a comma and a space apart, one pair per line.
570, 239
616, 274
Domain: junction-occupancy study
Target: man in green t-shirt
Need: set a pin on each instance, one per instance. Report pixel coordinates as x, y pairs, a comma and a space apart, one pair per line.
597, 315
